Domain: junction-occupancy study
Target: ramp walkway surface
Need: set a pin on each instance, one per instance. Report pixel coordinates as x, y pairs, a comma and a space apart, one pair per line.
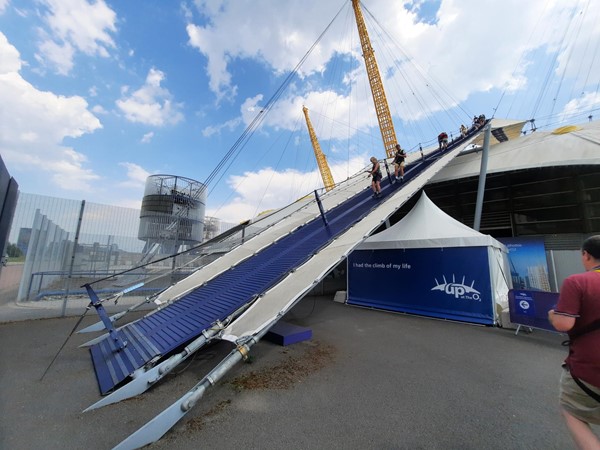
268, 273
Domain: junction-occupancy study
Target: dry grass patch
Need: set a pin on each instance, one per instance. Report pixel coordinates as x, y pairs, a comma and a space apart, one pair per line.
291, 370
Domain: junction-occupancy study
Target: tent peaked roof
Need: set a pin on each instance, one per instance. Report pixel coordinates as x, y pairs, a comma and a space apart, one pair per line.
426, 225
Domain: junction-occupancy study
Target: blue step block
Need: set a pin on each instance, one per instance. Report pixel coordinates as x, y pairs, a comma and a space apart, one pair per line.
284, 333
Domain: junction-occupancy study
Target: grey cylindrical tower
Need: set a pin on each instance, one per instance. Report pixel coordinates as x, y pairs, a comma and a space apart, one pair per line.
172, 213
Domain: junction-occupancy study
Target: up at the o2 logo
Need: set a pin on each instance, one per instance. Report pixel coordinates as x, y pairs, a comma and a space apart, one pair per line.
458, 290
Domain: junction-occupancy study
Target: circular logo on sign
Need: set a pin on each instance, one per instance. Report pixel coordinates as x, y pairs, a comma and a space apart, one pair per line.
524, 304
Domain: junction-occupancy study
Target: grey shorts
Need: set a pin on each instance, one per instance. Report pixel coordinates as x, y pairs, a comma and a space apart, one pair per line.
576, 402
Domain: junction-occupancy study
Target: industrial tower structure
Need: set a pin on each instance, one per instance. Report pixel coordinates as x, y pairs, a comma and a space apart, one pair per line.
321, 159
172, 215
379, 99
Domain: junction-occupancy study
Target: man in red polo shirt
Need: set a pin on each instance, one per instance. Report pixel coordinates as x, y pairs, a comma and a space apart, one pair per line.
578, 313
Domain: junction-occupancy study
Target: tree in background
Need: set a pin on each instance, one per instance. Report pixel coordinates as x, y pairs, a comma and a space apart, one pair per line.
13, 251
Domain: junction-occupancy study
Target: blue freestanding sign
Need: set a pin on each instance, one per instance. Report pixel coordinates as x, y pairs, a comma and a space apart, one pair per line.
530, 308
524, 304
449, 283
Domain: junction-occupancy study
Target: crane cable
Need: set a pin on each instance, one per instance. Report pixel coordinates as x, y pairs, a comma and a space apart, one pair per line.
518, 65
239, 144
550, 72
433, 85
566, 65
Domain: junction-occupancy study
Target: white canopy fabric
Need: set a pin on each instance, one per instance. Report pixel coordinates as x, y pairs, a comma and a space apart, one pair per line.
502, 130
566, 146
426, 226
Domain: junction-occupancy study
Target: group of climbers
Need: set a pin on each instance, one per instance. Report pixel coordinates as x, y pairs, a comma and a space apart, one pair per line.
400, 156
478, 122
376, 175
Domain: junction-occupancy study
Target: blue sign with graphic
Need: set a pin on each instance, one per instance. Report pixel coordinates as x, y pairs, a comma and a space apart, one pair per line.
531, 308
450, 283
524, 304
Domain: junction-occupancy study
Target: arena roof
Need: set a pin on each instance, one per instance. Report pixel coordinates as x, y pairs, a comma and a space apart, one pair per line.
564, 146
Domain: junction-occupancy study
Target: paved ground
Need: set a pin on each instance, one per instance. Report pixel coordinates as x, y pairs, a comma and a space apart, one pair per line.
367, 379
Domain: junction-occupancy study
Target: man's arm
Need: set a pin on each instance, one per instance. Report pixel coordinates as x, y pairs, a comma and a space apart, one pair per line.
560, 322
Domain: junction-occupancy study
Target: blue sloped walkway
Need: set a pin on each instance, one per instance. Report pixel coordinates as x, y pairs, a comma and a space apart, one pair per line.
162, 332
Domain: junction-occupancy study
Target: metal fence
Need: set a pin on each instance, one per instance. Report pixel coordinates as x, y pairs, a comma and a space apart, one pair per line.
67, 244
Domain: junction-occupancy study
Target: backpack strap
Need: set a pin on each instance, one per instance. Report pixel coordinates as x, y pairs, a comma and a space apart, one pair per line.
586, 389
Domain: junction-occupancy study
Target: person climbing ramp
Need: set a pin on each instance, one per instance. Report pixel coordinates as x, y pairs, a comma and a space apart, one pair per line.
443, 140
376, 174
399, 163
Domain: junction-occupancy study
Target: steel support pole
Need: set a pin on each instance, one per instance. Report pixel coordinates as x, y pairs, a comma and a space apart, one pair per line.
320, 205
72, 263
482, 175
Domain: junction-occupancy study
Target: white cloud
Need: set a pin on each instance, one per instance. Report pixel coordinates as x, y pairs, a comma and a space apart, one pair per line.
98, 109
268, 189
151, 104
130, 187
463, 51
450, 60
216, 129
136, 175
75, 25
334, 107
60, 56
242, 29
69, 174
587, 103
147, 137
3, 5
186, 11
35, 123
10, 59
43, 116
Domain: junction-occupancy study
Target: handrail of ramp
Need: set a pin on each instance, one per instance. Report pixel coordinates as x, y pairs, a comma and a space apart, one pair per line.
223, 244
264, 231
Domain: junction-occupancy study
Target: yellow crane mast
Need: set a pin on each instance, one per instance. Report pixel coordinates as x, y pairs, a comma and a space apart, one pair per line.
381, 105
321, 160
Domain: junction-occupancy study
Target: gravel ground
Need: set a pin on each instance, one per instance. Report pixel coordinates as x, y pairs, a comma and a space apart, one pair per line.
367, 379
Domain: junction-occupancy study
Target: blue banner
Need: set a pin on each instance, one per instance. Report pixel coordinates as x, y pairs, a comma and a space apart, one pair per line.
450, 283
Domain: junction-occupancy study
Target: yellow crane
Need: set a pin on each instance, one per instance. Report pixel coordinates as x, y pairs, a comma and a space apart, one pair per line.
381, 105
321, 160
386, 125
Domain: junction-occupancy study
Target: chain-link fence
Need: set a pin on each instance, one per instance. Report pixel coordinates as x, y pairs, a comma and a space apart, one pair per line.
59, 246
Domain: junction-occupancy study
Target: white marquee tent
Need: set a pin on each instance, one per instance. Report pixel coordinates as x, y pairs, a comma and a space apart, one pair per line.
431, 264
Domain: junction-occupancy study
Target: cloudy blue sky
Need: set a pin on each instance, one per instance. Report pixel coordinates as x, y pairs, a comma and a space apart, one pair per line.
97, 95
